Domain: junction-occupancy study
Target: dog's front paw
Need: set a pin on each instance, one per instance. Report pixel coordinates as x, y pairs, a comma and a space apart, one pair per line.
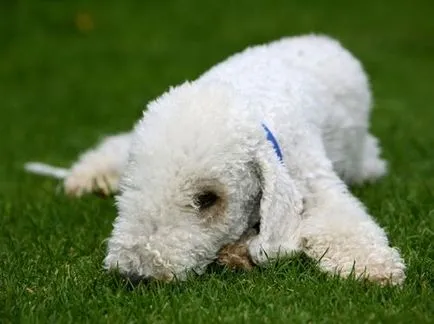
235, 256
262, 252
386, 267
378, 263
396, 277
87, 180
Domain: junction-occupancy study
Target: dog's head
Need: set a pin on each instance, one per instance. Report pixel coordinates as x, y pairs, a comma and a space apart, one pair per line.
192, 185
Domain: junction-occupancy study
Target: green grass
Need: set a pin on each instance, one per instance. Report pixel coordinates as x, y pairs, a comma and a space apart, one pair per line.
62, 87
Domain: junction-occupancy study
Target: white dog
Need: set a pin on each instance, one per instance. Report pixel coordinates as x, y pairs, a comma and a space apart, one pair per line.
272, 136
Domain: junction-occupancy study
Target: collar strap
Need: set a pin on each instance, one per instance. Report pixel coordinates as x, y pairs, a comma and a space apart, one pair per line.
273, 141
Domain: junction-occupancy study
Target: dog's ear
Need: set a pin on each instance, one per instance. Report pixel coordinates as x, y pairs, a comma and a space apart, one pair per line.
280, 209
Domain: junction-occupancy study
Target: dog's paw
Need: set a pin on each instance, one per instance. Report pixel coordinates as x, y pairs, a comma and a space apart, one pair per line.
381, 274
396, 278
235, 256
389, 270
82, 181
379, 264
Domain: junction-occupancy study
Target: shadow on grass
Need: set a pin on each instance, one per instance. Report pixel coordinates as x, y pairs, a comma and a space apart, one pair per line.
296, 269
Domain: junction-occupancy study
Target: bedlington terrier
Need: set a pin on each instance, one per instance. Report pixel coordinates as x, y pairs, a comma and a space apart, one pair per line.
270, 136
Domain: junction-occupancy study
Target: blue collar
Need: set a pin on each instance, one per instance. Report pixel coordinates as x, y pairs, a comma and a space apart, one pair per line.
273, 141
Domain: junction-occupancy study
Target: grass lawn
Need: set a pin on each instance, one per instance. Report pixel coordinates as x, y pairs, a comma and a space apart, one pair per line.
73, 71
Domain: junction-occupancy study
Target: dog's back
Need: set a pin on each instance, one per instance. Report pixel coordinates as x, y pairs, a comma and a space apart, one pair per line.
312, 63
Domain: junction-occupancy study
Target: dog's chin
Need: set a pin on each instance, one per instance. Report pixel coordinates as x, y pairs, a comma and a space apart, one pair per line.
142, 275
136, 279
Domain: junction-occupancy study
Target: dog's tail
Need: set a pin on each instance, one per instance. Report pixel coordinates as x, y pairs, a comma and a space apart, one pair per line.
46, 170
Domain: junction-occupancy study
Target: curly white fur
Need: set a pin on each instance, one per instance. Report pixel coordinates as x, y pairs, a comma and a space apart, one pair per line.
206, 137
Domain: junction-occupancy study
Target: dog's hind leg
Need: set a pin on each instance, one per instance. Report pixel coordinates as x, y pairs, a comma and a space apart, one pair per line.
364, 163
355, 154
99, 169
372, 167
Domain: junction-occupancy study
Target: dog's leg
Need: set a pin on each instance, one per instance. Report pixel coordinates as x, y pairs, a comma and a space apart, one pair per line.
372, 166
339, 233
336, 230
358, 159
99, 169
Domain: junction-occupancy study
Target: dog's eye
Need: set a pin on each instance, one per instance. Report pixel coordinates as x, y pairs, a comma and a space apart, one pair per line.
205, 200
